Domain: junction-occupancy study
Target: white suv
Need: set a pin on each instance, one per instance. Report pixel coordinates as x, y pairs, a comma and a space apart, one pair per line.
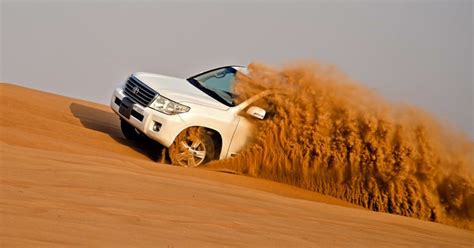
171, 111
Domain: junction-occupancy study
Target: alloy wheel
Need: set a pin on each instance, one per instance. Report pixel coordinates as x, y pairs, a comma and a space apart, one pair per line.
191, 153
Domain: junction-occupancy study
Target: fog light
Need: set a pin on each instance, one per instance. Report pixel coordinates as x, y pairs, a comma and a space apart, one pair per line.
156, 127
117, 101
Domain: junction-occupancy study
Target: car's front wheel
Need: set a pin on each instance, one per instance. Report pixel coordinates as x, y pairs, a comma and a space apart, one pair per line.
129, 131
192, 148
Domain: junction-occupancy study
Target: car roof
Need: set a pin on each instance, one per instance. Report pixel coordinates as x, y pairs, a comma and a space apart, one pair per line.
239, 68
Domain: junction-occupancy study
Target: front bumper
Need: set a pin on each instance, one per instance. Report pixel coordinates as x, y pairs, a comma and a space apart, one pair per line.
171, 125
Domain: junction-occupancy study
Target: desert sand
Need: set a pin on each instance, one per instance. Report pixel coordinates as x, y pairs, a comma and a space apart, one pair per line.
69, 178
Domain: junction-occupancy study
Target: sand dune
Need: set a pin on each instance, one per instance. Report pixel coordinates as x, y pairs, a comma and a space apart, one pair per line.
69, 178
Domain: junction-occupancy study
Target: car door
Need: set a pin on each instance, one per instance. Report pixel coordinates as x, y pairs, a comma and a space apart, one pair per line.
242, 135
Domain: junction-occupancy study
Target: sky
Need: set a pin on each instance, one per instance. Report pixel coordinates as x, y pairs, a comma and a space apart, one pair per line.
415, 52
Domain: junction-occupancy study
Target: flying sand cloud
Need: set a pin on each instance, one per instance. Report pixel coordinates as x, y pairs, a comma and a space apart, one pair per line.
329, 134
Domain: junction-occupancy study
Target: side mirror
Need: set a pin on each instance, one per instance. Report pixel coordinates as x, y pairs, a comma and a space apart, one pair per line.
256, 112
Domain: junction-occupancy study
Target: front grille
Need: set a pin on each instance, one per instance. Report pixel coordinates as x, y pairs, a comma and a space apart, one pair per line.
138, 92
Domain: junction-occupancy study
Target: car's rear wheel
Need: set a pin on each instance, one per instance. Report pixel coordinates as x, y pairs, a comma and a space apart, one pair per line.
129, 131
193, 147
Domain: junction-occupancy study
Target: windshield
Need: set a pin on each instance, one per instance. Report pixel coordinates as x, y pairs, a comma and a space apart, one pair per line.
217, 83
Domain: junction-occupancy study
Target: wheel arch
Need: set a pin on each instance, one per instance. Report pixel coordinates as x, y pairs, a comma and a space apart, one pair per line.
215, 135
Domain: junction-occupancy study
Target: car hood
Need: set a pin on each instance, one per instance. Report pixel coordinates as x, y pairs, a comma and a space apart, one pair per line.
178, 89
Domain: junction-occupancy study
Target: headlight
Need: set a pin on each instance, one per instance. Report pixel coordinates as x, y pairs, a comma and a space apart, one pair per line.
165, 105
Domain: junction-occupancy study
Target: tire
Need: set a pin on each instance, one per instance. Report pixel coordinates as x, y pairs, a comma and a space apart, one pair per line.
129, 131
192, 148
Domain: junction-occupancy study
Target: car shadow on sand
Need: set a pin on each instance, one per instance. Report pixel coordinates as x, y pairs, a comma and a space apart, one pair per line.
109, 123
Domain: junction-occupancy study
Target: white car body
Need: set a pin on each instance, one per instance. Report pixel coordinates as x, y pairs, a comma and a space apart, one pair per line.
233, 127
